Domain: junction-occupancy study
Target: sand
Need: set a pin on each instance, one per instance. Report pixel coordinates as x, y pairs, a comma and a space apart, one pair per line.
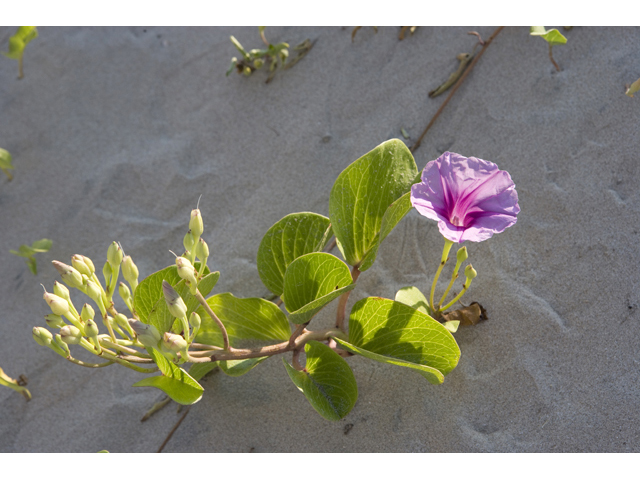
116, 132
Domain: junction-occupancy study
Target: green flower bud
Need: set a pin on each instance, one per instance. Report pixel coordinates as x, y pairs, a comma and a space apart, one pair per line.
195, 321
83, 264
107, 273
114, 255
247, 71
202, 249
54, 321
258, 62
129, 270
173, 342
60, 290
124, 292
60, 345
42, 336
174, 301
148, 335
58, 305
470, 273
70, 335
122, 321
186, 270
91, 329
70, 275
462, 255
195, 223
87, 313
188, 241
94, 292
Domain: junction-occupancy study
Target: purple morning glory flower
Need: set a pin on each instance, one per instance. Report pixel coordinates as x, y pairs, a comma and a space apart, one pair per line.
470, 198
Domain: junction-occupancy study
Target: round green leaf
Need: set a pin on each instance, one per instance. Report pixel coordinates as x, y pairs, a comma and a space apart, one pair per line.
293, 236
244, 319
327, 381
362, 194
149, 300
311, 282
174, 381
391, 332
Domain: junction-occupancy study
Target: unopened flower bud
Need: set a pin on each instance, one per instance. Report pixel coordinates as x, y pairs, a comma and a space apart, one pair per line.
94, 292
54, 321
70, 275
462, 255
70, 335
186, 270
114, 255
195, 321
58, 305
83, 264
129, 270
87, 313
58, 344
42, 336
470, 273
121, 320
148, 335
188, 241
174, 342
174, 301
107, 273
60, 290
124, 292
195, 223
258, 62
247, 71
202, 250
91, 329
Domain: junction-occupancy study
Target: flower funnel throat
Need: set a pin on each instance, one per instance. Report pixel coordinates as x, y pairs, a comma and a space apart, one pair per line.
470, 198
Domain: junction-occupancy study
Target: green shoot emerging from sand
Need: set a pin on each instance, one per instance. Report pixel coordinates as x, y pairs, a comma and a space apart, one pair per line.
17, 44
633, 88
274, 55
173, 321
6, 163
28, 252
17, 385
553, 37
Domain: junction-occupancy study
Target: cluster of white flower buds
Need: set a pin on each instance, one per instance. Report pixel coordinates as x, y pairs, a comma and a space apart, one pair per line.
80, 328
81, 275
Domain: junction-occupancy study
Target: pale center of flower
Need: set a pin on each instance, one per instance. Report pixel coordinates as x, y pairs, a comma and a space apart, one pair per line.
455, 220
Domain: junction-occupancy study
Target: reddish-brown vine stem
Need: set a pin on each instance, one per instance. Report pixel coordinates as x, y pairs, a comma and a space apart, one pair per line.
455, 87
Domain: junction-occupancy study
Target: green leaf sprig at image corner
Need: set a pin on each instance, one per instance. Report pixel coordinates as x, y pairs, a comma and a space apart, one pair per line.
172, 321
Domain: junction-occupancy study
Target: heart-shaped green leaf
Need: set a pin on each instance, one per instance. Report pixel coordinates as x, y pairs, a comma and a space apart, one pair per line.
293, 236
174, 381
327, 381
362, 194
244, 319
391, 332
311, 282
396, 212
149, 300
553, 36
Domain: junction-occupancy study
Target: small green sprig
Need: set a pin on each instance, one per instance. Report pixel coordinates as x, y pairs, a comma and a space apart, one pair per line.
275, 56
28, 252
6, 163
633, 88
553, 37
17, 44
17, 385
